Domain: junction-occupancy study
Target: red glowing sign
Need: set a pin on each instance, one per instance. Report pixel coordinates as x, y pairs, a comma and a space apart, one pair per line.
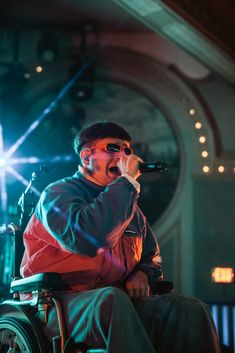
222, 275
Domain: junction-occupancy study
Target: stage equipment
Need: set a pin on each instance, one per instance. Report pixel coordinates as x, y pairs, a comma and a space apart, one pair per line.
83, 87
48, 47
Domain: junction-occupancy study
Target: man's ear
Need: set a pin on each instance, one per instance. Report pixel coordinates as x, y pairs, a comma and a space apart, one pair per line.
84, 156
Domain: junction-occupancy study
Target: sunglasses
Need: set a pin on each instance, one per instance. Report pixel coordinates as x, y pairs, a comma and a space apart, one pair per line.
114, 148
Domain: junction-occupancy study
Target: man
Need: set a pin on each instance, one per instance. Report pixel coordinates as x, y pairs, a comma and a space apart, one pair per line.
89, 228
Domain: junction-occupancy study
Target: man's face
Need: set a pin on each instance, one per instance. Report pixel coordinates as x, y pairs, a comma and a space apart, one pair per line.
100, 159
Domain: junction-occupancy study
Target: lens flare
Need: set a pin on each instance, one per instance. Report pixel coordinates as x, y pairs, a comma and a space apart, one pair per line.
6, 161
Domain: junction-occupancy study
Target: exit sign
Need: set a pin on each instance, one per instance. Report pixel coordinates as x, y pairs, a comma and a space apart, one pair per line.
222, 275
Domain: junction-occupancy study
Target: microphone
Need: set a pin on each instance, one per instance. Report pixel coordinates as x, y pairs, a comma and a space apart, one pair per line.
148, 167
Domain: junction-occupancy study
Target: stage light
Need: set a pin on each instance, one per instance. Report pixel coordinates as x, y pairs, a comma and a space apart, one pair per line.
2, 162
205, 154
198, 125
202, 139
221, 169
7, 155
192, 111
38, 69
206, 169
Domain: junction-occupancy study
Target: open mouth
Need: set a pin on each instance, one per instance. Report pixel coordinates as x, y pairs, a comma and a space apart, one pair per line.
114, 171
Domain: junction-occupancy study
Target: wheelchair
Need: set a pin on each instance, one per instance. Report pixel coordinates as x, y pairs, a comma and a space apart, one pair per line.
23, 321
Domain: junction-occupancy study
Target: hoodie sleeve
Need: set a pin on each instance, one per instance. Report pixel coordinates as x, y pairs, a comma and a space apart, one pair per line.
83, 227
150, 261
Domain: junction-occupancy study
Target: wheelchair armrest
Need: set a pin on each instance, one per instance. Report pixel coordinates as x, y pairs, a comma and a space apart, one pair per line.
46, 280
162, 287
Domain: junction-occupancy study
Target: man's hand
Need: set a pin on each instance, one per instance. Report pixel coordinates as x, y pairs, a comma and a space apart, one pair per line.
137, 285
130, 165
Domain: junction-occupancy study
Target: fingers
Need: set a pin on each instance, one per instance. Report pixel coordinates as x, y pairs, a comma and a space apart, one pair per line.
137, 285
136, 293
130, 165
140, 159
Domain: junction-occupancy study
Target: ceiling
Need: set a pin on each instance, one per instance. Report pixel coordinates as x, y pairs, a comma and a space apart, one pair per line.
205, 29
68, 14
215, 19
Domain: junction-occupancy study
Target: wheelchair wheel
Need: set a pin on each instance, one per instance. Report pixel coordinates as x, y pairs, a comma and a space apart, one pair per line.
17, 337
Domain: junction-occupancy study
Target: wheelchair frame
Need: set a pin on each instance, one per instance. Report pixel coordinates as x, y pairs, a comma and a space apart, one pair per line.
19, 316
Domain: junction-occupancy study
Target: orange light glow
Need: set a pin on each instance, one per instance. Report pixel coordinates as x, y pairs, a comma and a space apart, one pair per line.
38, 69
221, 169
198, 125
206, 169
202, 139
205, 154
222, 275
192, 111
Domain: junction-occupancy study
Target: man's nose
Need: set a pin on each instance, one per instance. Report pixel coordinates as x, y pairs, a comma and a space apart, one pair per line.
120, 154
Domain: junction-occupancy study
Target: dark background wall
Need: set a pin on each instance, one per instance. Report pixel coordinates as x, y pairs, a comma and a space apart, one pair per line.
214, 234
